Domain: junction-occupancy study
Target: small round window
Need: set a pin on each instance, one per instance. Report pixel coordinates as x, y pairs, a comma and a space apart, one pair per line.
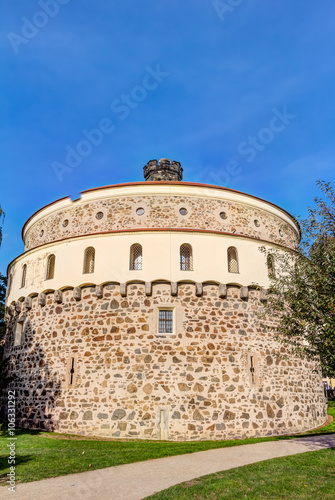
140, 211
65, 222
223, 215
183, 211
41, 233
257, 223
99, 215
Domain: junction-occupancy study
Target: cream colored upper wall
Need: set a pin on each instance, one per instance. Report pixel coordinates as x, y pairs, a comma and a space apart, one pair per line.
161, 260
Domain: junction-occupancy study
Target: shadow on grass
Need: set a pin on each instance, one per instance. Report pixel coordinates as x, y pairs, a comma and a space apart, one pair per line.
4, 466
19, 431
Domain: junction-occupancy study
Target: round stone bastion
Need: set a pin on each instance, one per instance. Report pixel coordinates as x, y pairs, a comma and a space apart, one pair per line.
136, 310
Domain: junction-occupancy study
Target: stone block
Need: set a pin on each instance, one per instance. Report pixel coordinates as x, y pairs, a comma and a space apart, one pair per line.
148, 288
244, 292
222, 291
28, 303
58, 296
77, 293
174, 289
99, 291
41, 299
123, 289
198, 289
118, 414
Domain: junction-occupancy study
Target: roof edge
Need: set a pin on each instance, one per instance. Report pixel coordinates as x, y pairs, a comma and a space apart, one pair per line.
171, 183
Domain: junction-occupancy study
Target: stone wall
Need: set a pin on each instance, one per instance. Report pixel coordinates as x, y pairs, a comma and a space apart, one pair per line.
221, 375
118, 214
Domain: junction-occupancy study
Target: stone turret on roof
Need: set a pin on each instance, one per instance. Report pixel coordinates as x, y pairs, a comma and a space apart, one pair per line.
163, 170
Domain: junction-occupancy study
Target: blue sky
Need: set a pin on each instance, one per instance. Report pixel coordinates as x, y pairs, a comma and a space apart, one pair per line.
243, 96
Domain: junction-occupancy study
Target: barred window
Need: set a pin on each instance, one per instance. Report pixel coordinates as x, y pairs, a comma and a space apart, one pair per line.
232, 260
24, 275
89, 258
165, 321
51, 267
136, 258
186, 257
271, 266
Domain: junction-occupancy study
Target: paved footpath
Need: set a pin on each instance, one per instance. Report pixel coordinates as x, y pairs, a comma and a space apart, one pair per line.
138, 480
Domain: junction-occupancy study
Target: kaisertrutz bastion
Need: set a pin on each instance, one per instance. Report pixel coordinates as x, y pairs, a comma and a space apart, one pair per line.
134, 312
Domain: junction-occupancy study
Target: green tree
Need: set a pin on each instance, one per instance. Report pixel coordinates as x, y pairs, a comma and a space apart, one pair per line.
3, 287
302, 293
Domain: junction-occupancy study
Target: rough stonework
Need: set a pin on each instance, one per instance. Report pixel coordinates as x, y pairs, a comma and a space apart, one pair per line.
129, 381
119, 214
163, 170
135, 311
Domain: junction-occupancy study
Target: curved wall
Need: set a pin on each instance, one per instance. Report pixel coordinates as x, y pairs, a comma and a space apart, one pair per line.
65, 228
161, 260
86, 349
130, 381
161, 203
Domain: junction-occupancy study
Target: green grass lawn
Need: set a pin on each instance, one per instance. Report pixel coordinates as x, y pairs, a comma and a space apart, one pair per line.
306, 476
40, 455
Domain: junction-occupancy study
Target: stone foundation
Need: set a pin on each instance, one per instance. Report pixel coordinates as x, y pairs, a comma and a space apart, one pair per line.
221, 375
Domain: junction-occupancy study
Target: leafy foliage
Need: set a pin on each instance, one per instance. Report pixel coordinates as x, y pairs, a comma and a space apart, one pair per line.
303, 301
4, 379
3, 288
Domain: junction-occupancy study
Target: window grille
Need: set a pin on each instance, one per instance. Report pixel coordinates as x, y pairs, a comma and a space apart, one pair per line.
24, 275
51, 267
232, 260
165, 321
186, 258
136, 257
271, 266
89, 258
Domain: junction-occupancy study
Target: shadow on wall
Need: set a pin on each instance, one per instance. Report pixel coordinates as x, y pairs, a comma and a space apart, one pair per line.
34, 403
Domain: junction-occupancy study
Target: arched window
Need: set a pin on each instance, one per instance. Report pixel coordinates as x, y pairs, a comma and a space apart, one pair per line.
232, 260
186, 257
24, 275
89, 258
271, 266
136, 257
51, 267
